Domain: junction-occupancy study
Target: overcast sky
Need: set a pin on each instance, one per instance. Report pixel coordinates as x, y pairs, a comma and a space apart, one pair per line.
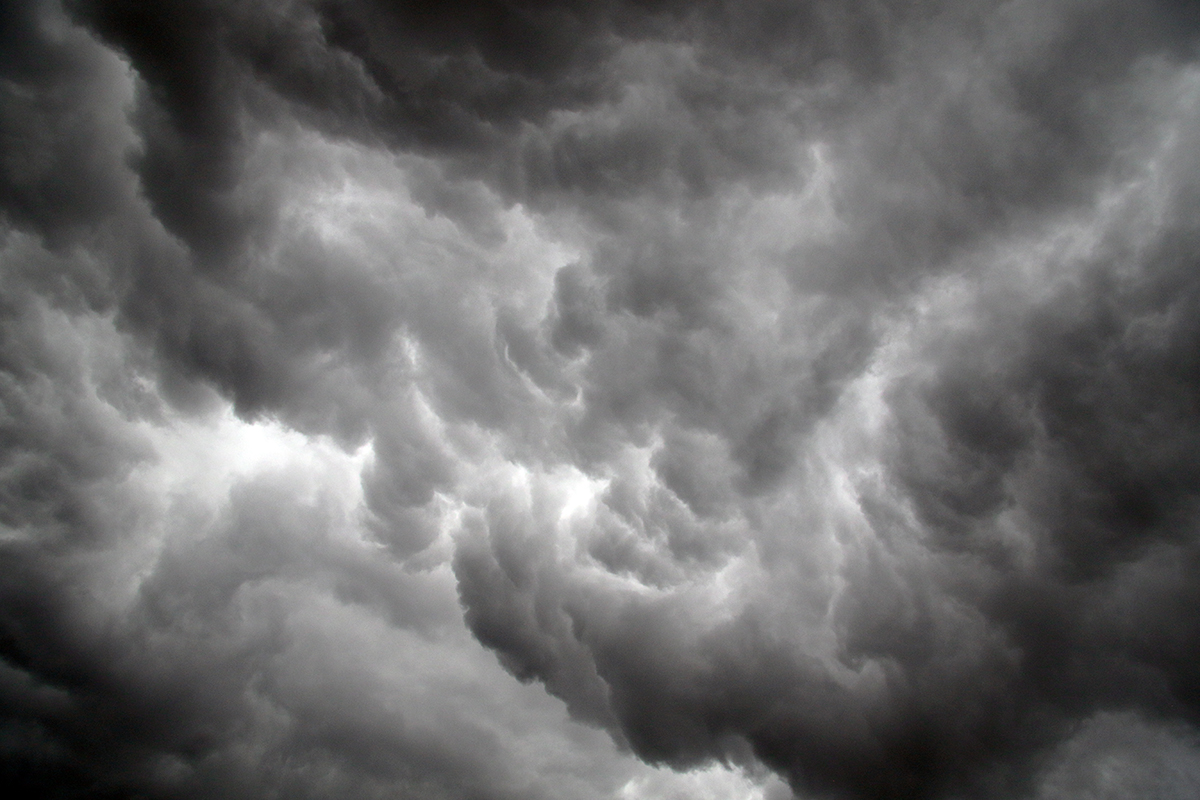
600, 399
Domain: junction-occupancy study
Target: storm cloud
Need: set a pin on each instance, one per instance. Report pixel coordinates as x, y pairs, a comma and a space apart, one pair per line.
631, 399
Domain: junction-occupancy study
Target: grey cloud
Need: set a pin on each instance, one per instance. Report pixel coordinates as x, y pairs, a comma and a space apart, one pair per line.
1143, 758
212, 669
1038, 417
64, 133
578, 316
164, 643
778, 384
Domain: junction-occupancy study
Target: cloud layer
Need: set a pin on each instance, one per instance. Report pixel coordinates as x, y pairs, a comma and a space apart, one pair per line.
599, 400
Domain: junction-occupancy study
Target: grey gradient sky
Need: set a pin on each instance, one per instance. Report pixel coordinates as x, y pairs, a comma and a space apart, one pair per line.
616, 400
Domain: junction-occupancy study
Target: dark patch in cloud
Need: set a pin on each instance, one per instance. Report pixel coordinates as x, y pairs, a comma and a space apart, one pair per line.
61, 123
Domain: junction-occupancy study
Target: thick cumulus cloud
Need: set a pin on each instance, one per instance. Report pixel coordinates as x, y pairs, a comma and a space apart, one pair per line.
599, 400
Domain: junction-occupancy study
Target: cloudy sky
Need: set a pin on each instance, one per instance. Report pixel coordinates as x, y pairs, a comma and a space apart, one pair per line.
600, 399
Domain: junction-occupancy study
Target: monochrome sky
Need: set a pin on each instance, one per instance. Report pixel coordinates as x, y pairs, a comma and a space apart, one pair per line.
600, 399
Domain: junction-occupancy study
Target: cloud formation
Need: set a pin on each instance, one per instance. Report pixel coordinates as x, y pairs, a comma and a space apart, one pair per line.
514, 399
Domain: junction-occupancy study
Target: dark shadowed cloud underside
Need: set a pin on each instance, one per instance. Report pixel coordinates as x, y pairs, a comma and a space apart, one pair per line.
618, 400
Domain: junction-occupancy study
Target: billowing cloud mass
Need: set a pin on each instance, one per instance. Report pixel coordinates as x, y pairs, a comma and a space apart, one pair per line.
620, 400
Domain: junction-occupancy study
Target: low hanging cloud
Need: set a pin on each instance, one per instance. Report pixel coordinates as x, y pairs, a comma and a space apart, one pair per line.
513, 399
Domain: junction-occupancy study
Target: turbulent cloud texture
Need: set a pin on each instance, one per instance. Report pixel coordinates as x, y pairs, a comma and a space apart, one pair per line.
632, 399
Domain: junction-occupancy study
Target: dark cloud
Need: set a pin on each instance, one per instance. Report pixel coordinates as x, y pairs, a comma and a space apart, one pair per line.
528, 399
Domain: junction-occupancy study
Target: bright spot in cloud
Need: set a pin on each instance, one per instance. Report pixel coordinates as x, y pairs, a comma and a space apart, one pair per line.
715, 782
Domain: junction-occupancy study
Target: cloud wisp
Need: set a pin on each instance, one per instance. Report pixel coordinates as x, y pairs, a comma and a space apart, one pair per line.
595, 400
